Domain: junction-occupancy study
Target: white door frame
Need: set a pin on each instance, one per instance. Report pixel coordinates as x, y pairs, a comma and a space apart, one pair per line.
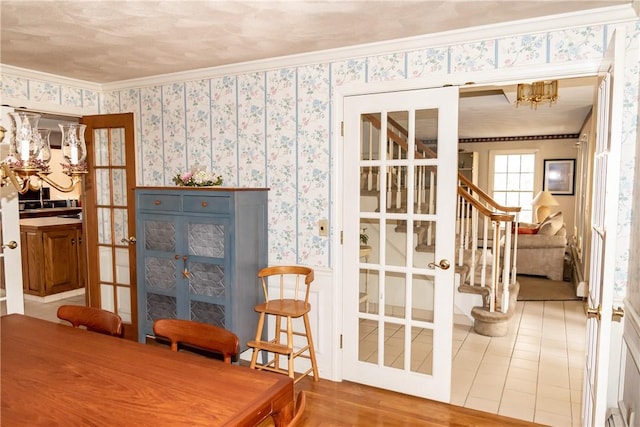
481, 78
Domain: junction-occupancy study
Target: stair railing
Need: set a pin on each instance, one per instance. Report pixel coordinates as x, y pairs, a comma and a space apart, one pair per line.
474, 204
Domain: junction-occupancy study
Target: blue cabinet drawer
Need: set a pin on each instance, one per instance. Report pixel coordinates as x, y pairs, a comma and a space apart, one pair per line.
159, 202
206, 204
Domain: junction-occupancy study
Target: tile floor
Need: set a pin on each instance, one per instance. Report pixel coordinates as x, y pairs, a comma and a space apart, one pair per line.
534, 373
47, 311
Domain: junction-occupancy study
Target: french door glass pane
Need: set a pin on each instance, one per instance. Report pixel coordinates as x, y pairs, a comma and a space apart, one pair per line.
104, 226
422, 302
119, 186
118, 156
396, 243
103, 197
394, 345
422, 350
101, 147
370, 143
368, 344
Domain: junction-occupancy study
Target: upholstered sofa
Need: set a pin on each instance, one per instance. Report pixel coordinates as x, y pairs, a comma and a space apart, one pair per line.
541, 247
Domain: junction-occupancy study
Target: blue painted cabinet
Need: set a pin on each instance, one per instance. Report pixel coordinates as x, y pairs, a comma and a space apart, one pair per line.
198, 253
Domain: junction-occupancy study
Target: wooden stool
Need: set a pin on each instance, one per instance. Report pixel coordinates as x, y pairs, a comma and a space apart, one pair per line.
285, 308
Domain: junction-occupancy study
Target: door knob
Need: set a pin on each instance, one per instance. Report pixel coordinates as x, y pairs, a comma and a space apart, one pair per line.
594, 312
11, 245
617, 314
443, 264
131, 240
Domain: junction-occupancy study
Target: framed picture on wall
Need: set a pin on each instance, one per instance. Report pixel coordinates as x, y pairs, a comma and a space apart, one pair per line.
559, 176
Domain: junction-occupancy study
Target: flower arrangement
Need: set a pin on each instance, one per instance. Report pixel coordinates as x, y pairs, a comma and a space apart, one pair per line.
199, 178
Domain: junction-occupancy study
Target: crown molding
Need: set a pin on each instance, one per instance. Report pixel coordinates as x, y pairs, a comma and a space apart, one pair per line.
599, 16
45, 107
49, 78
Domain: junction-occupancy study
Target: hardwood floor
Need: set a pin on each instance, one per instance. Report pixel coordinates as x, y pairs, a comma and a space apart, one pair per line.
349, 404
338, 404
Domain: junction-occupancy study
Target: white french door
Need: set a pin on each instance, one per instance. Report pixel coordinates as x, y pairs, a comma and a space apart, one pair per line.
400, 169
603, 231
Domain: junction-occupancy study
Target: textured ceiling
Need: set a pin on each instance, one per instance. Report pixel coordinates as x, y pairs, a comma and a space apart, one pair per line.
112, 41
108, 41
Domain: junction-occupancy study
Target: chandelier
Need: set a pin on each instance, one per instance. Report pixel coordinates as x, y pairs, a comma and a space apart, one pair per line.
26, 166
537, 92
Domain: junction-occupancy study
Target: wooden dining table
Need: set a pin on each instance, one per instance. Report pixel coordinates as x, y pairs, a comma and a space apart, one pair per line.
53, 374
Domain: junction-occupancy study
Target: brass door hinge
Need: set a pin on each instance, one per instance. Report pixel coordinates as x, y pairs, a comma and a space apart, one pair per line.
341, 128
617, 314
341, 235
340, 340
594, 313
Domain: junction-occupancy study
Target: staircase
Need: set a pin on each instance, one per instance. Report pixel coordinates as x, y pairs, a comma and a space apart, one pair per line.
486, 286
489, 272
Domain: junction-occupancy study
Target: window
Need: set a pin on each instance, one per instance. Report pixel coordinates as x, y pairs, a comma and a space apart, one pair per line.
513, 178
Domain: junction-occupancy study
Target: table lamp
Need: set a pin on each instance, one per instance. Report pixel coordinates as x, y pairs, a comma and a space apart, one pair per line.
542, 205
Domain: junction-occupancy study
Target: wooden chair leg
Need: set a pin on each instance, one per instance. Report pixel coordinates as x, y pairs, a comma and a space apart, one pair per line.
254, 355
312, 351
276, 356
290, 345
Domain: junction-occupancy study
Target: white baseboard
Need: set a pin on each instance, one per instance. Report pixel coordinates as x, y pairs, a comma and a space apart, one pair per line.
582, 290
55, 297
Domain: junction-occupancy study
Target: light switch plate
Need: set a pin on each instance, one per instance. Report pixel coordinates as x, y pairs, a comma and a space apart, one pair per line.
323, 228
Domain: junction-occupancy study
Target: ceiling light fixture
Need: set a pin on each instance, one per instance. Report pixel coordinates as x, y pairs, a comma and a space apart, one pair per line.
26, 165
537, 92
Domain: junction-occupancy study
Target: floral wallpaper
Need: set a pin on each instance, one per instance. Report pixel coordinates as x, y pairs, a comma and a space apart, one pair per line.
273, 128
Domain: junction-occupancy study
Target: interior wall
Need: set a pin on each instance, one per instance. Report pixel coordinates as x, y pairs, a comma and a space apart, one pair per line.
551, 149
59, 177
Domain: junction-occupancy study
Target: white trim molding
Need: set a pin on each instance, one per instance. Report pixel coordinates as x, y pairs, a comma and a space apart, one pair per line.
50, 78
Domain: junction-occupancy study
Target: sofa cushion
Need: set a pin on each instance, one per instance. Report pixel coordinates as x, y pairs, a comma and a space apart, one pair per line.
551, 225
537, 241
524, 228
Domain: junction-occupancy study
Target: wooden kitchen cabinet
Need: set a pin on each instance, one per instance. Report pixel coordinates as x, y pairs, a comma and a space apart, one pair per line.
53, 256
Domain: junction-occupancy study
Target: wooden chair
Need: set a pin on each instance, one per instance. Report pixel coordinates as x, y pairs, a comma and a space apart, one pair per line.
94, 319
288, 308
297, 416
301, 402
197, 334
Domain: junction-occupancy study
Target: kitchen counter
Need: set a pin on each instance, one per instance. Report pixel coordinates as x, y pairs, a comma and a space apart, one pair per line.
48, 212
48, 221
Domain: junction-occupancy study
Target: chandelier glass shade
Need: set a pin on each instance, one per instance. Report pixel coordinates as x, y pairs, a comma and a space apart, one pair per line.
537, 93
26, 166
